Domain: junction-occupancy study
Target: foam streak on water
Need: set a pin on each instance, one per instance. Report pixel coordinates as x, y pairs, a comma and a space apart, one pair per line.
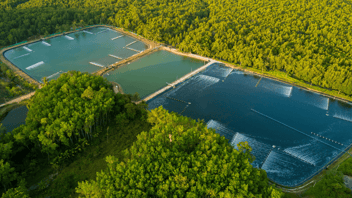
309, 153
316, 100
237, 72
277, 88
221, 129
35, 65
259, 150
194, 85
45, 43
112, 30
101, 31
87, 32
344, 117
21, 56
55, 74
324, 103
219, 71
301, 156
206, 81
69, 38
26, 48
284, 169
297, 130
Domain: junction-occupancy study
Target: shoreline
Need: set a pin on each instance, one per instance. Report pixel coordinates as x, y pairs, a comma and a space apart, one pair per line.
117, 88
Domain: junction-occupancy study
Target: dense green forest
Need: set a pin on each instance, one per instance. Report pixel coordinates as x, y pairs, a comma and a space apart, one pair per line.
64, 116
309, 40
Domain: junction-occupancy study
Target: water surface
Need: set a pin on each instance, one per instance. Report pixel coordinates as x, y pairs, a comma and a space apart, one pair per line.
72, 52
293, 133
15, 118
151, 73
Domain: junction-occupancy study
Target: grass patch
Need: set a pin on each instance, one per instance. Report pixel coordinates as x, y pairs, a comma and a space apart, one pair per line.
346, 167
12, 85
91, 160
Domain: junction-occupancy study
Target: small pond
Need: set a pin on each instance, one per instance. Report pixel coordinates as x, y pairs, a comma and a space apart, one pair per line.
15, 118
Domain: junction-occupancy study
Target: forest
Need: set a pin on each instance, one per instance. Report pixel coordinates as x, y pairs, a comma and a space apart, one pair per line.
64, 117
309, 40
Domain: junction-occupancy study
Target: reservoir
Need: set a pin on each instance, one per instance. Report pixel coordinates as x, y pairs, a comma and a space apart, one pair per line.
294, 133
152, 72
15, 118
86, 51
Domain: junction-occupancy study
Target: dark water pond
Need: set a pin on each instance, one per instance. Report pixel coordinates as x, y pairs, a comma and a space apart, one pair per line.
293, 133
15, 118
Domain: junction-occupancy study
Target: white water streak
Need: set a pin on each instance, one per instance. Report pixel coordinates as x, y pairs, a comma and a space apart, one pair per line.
277, 88
26, 48
96, 64
343, 117
130, 43
117, 37
69, 38
54, 74
194, 85
87, 32
221, 129
114, 56
21, 56
35, 65
237, 72
282, 165
101, 31
45, 43
303, 153
259, 150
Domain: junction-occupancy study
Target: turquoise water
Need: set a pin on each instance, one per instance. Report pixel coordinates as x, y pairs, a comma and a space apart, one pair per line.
151, 73
15, 118
294, 133
72, 52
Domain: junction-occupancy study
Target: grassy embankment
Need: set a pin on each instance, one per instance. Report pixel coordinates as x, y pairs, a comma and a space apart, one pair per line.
12, 85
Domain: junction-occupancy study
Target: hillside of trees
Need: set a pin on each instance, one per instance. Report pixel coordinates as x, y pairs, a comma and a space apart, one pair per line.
309, 40
64, 116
